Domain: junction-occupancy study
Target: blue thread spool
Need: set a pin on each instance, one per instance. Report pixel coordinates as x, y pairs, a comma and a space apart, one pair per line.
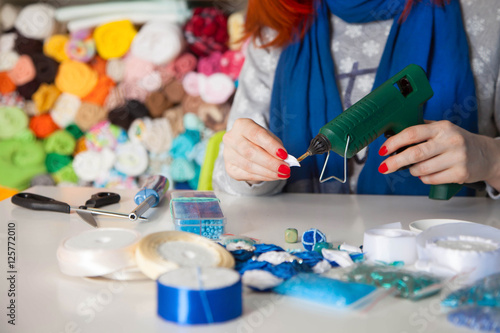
311, 237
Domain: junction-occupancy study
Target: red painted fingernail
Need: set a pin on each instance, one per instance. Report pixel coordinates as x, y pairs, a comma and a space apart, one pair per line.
282, 154
284, 169
383, 168
283, 176
382, 151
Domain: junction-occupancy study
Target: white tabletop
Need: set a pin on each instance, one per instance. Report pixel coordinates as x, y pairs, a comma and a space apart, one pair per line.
48, 301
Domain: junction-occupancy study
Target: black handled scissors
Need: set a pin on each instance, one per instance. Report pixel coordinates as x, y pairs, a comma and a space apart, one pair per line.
39, 202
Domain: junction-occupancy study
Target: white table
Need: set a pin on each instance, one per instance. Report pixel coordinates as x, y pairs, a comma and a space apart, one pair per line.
48, 301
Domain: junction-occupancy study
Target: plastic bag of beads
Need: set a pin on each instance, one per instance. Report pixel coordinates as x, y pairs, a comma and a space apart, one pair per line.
478, 318
484, 292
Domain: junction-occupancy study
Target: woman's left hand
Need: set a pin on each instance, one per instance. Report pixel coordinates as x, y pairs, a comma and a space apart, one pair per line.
443, 153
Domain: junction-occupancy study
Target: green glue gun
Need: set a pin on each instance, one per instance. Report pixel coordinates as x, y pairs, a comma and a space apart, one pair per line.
395, 105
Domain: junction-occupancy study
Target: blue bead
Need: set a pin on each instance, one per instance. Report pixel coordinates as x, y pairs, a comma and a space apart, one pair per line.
311, 237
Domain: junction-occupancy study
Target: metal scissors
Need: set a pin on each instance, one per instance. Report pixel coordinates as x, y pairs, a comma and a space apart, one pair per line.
86, 212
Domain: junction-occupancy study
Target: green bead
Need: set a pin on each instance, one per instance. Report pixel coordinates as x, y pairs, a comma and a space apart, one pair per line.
291, 235
322, 245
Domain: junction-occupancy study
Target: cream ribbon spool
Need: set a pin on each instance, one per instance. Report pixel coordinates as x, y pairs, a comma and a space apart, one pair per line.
460, 247
99, 252
161, 252
390, 243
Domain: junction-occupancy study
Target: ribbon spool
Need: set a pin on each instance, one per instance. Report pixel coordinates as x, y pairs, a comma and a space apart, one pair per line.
194, 295
390, 245
105, 252
162, 252
460, 247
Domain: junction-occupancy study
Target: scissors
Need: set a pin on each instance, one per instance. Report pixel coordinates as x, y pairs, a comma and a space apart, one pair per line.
39, 202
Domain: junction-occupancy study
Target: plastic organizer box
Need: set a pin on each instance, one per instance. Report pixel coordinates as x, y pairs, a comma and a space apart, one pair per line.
197, 212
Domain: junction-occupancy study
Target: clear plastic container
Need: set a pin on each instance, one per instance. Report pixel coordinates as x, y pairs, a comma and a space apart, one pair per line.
197, 212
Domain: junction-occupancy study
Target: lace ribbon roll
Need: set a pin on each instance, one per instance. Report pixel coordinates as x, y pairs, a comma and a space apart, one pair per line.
211, 64
158, 42
90, 165
7, 41
76, 78
175, 119
6, 84
43, 125
60, 142
55, 47
12, 121
165, 251
45, 67
113, 39
100, 93
64, 111
174, 91
184, 64
8, 15
23, 71
45, 97
82, 50
89, 115
28, 46
216, 89
8, 60
131, 159
115, 69
98, 252
157, 103
36, 21
236, 30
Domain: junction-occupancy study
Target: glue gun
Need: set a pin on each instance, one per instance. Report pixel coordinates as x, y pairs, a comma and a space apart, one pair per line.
389, 109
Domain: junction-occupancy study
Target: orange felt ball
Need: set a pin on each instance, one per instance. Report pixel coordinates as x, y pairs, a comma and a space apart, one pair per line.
101, 91
6, 84
43, 125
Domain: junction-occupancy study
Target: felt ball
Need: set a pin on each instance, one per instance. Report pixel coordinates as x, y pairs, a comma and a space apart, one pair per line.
65, 108
158, 42
216, 89
12, 121
174, 91
55, 162
8, 59
36, 21
184, 64
113, 39
43, 125
27, 90
311, 237
54, 47
65, 175
24, 45
45, 67
131, 159
190, 84
291, 235
7, 41
74, 130
157, 103
6, 84
115, 69
211, 64
88, 115
100, 93
76, 78
45, 97
60, 142
23, 71
80, 50
20, 162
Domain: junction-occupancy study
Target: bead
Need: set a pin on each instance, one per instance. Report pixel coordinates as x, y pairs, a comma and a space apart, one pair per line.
291, 235
311, 237
322, 245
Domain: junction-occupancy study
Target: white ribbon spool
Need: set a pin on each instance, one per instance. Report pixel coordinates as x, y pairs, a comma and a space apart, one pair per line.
98, 252
460, 247
390, 245
165, 251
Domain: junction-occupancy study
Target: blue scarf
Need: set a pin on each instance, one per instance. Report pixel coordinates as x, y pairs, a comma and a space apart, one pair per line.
305, 94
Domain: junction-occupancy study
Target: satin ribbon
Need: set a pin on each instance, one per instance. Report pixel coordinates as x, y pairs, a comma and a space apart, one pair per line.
189, 296
36, 21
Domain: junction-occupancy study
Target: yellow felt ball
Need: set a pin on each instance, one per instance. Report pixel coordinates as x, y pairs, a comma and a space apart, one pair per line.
112, 40
45, 97
54, 47
76, 78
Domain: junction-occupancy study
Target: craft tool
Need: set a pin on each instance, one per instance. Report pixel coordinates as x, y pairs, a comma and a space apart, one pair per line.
39, 202
149, 196
389, 109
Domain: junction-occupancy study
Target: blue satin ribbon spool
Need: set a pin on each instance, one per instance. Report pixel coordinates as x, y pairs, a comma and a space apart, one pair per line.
181, 302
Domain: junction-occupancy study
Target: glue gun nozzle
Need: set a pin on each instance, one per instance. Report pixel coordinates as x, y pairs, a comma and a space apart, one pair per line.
303, 157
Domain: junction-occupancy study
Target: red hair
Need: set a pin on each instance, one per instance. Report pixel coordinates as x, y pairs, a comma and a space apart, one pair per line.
291, 18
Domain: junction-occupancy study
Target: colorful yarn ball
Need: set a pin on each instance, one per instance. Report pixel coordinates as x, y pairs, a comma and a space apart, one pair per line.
174, 91
12, 99
311, 237
113, 40
23, 71
157, 103
45, 97
115, 179
90, 165
20, 161
55, 47
137, 68
76, 78
206, 31
60, 142
104, 135
12, 121
125, 115
43, 125
98, 64
25, 135
184, 143
80, 50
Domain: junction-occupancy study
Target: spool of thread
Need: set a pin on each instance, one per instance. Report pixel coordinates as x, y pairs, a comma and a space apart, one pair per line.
216, 89
65, 108
82, 50
12, 121
236, 30
162, 252
45, 97
192, 295
175, 118
7, 41
131, 159
23, 71
206, 31
55, 47
99, 94
27, 90
184, 64
157, 103
113, 39
115, 69
90, 165
89, 115
65, 176
191, 104
55, 162
24, 45
125, 115
158, 42
211, 64
76, 78
98, 252
6, 84
36, 21
45, 67
390, 245
60, 142
43, 125
8, 15
8, 60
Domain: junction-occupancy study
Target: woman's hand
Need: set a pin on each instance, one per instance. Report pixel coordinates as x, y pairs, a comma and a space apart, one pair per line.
253, 154
444, 153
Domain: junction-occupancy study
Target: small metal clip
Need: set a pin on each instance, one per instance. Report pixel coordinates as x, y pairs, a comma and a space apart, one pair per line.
321, 180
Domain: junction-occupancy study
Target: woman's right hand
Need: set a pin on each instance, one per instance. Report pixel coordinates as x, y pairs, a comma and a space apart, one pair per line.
253, 154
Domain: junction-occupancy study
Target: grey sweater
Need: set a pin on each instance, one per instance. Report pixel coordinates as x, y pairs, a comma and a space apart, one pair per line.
356, 50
